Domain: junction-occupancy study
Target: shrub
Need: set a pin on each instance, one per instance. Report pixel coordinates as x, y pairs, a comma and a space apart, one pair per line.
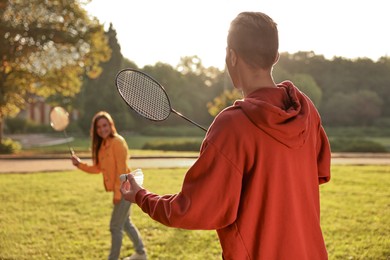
8, 146
383, 123
21, 126
172, 131
355, 145
357, 132
173, 146
33, 127
15, 125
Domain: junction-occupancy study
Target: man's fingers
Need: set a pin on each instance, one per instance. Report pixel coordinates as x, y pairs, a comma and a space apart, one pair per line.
125, 187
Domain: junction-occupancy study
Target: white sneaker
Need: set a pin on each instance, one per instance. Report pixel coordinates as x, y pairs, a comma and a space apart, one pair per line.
136, 256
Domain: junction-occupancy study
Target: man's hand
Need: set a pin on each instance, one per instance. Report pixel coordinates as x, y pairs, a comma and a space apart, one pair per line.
130, 188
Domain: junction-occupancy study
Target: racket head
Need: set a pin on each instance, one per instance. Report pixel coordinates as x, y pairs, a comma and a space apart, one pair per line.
59, 118
143, 94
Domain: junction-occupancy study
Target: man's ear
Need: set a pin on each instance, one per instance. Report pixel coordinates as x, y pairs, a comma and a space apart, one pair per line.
232, 57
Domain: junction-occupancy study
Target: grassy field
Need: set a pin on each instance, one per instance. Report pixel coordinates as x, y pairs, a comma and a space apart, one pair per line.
65, 215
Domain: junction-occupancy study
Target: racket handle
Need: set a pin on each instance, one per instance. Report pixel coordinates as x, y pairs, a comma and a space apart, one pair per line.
189, 120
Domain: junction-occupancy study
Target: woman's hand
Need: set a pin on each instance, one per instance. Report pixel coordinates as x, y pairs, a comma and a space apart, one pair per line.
129, 188
75, 160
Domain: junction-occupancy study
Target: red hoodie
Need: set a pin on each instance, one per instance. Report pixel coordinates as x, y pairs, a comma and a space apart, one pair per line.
256, 180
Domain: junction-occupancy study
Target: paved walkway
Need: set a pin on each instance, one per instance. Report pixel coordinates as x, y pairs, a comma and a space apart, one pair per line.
49, 165
25, 165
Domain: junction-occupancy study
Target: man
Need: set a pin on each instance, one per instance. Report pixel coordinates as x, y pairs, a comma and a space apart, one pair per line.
256, 181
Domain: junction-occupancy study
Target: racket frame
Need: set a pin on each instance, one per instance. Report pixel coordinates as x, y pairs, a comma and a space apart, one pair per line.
165, 93
71, 151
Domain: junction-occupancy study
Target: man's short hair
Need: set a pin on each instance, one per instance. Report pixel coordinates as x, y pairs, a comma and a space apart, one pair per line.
254, 36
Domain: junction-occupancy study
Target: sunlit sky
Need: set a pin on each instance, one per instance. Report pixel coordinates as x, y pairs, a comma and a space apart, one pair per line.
165, 30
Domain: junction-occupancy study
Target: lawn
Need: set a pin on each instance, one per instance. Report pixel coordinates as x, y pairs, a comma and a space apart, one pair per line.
65, 215
355, 212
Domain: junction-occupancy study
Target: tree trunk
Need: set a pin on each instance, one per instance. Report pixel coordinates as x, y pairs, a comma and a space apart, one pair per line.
1, 129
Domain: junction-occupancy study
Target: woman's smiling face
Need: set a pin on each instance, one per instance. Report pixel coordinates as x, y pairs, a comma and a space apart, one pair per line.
103, 128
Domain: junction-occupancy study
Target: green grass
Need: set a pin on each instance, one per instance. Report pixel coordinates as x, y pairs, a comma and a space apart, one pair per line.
355, 212
65, 215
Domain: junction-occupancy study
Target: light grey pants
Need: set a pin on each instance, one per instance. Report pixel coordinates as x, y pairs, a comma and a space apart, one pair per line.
120, 220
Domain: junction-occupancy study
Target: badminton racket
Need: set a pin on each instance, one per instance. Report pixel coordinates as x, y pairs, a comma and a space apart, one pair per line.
59, 120
146, 96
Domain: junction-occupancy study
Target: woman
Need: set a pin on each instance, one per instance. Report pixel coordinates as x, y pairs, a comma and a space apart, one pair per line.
109, 156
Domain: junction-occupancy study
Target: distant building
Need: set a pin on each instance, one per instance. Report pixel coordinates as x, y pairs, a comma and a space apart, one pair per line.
36, 111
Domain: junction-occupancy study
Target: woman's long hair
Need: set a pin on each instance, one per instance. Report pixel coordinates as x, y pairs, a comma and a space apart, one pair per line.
96, 139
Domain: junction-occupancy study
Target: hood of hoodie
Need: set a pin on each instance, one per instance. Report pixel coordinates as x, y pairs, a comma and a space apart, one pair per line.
282, 113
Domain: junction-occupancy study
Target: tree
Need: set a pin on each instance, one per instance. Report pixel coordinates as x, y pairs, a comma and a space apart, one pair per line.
304, 81
308, 85
190, 87
339, 79
200, 84
367, 106
361, 108
224, 100
101, 94
45, 48
338, 110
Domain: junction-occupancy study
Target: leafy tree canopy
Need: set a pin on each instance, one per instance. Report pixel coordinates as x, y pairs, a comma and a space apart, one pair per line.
45, 48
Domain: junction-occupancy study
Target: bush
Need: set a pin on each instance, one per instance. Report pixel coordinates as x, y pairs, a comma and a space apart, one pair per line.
357, 132
33, 127
354, 145
173, 146
383, 122
21, 126
172, 131
8, 146
15, 125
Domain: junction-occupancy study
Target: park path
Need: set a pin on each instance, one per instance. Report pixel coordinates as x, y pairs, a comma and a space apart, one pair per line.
50, 163
8, 165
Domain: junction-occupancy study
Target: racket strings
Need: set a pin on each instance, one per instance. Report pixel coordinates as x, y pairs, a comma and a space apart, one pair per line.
144, 95
59, 118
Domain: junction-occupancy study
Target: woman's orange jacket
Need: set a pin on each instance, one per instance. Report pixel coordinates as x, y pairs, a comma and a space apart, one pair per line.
113, 156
